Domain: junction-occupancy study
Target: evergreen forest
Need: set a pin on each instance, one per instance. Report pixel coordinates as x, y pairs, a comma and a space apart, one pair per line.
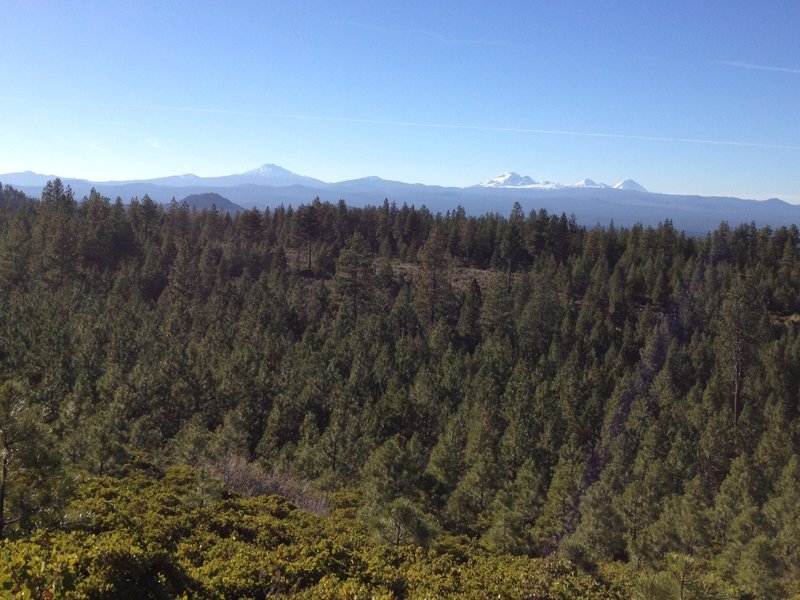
325, 401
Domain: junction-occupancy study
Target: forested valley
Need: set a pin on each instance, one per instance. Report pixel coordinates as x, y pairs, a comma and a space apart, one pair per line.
337, 402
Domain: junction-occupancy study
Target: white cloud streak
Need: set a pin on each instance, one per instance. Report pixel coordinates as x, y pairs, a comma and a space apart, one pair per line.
414, 124
754, 67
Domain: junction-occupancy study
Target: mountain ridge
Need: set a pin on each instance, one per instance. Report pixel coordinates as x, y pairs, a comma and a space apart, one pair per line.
626, 203
211, 200
513, 180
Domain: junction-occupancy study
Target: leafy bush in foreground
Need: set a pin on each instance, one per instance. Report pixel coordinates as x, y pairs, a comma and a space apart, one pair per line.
148, 535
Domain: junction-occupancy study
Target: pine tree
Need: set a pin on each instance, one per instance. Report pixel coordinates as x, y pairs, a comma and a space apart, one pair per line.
782, 512
355, 282
741, 329
559, 515
512, 248
28, 463
468, 327
497, 308
433, 294
515, 510
305, 227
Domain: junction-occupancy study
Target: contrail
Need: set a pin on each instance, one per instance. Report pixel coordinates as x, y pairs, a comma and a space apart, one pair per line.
421, 125
746, 65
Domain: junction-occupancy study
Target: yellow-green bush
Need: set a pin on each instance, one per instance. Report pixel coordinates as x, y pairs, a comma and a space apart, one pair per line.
144, 536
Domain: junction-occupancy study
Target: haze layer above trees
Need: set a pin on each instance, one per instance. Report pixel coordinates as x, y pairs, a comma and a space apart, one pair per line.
592, 204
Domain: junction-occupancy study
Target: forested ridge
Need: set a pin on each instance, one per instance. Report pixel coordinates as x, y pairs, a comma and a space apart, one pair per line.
483, 406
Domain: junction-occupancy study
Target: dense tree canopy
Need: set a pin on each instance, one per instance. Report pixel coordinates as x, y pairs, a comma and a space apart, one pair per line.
609, 396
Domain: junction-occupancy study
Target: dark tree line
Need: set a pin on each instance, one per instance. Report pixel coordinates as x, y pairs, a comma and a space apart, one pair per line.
611, 394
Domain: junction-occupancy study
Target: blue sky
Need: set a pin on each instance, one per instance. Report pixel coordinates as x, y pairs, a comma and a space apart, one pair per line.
683, 96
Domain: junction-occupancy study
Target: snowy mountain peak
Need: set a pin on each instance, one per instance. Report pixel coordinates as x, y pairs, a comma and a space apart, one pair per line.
271, 174
508, 179
588, 183
269, 170
629, 184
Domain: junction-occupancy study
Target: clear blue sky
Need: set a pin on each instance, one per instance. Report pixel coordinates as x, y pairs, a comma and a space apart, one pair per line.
442, 92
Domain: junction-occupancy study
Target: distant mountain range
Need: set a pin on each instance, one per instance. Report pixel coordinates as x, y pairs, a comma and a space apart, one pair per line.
625, 203
511, 180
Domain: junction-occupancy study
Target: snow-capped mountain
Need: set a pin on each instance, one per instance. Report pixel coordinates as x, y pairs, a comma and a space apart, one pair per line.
270, 174
629, 184
588, 183
509, 179
270, 170
513, 180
